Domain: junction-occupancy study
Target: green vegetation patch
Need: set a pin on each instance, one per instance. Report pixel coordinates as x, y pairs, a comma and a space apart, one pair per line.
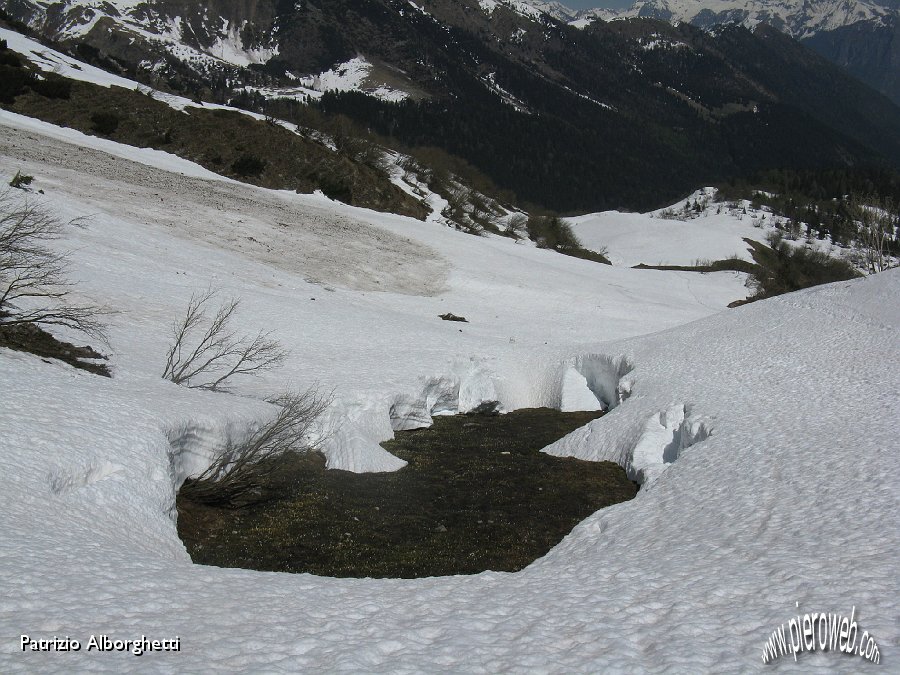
477, 495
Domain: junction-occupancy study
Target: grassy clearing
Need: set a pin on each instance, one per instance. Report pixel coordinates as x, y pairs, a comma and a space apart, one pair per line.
477, 495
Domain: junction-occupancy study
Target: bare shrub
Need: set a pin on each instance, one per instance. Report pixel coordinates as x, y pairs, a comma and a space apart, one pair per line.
603, 252
876, 222
549, 231
782, 268
239, 474
34, 288
363, 151
518, 225
458, 197
670, 214
206, 353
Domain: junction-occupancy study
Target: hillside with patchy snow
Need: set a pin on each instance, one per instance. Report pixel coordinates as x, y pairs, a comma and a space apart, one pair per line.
766, 437
500, 83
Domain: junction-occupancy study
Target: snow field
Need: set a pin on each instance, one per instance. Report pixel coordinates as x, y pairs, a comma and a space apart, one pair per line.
654, 239
790, 497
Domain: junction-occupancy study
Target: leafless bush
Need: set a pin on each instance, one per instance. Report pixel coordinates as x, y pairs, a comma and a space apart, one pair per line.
458, 197
671, 214
518, 225
206, 353
876, 231
34, 288
238, 476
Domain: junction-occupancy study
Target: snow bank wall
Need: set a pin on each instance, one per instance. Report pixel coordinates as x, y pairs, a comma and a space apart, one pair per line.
582, 382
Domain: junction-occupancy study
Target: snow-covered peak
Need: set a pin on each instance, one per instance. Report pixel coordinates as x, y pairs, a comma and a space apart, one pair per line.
798, 18
212, 40
534, 9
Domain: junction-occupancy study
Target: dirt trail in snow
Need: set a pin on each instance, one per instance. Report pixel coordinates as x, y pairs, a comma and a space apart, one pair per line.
265, 226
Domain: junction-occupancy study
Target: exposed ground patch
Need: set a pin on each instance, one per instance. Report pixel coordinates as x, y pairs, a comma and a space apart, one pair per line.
477, 494
35, 340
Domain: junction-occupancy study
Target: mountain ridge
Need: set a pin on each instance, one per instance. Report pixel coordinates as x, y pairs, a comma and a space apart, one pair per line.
628, 113
862, 36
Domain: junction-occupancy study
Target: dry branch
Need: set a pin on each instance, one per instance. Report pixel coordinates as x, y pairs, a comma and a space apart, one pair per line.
240, 472
34, 287
206, 352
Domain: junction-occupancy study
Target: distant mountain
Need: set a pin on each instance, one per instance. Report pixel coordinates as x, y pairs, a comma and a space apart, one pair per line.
862, 36
870, 50
859, 35
798, 18
629, 113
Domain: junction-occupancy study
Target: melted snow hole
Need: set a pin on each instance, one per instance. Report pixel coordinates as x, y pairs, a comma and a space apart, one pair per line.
640, 438
645, 445
470, 484
595, 382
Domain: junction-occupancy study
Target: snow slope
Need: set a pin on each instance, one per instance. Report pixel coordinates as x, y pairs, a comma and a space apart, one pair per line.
766, 437
50, 60
674, 235
696, 230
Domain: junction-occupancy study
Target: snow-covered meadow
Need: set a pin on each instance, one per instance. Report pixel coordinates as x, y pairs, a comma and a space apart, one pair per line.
677, 234
767, 436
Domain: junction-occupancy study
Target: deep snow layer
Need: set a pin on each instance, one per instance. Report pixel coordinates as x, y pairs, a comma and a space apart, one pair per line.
767, 435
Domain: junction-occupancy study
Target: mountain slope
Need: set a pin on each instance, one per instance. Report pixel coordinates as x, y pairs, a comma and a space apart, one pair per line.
861, 36
629, 113
870, 50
